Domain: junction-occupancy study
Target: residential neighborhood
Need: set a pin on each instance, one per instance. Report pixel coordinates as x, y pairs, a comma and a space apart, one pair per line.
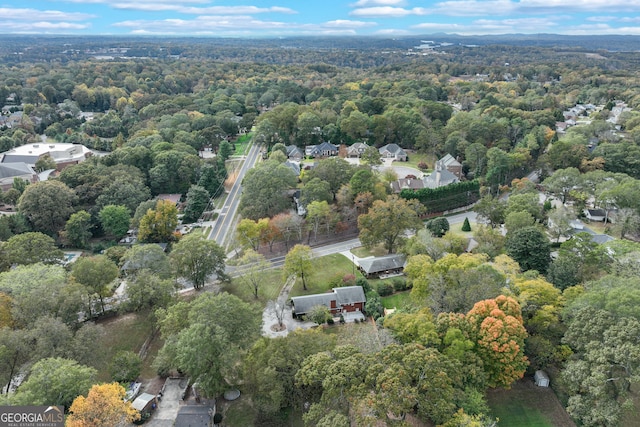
319, 231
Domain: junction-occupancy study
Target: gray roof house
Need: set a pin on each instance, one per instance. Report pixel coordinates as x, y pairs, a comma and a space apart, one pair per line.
393, 151
295, 167
294, 153
452, 165
439, 177
406, 184
194, 416
595, 214
326, 149
388, 264
339, 300
356, 150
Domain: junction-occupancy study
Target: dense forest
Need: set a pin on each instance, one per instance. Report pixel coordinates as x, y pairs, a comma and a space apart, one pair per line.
531, 295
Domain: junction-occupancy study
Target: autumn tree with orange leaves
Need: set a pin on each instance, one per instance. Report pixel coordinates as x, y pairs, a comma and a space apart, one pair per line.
499, 335
104, 406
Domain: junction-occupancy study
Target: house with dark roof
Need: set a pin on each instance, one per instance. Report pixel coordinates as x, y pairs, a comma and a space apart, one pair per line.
294, 153
326, 149
595, 214
340, 300
440, 177
406, 184
294, 166
452, 165
393, 151
194, 416
385, 265
355, 151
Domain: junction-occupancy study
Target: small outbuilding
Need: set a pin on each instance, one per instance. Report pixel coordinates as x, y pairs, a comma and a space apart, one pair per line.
541, 378
145, 402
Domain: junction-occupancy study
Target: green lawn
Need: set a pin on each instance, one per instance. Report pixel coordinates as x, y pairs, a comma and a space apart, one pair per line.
126, 332
526, 405
415, 158
397, 300
270, 287
325, 270
519, 414
457, 228
362, 252
242, 144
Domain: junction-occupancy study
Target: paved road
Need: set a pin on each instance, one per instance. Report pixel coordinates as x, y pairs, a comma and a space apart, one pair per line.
224, 224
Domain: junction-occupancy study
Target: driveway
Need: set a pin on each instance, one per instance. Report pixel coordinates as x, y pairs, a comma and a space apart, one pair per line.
167, 410
270, 319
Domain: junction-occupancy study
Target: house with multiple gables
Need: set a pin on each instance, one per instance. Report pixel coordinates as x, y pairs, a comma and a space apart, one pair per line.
326, 149
447, 171
393, 151
355, 151
440, 176
294, 153
449, 163
348, 299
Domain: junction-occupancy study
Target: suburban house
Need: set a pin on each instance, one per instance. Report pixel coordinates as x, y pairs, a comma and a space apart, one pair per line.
595, 214
440, 177
62, 154
393, 151
406, 184
295, 167
340, 300
194, 416
326, 149
355, 151
388, 265
10, 171
294, 153
452, 165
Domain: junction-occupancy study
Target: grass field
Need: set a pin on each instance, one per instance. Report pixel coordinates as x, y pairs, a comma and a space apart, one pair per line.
397, 300
270, 286
325, 270
126, 332
242, 144
526, 405
362, 252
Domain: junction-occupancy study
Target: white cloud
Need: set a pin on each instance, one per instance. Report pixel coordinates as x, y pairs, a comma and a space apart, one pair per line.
601, 18
40, 27
367, 3
490, 26
211, 10
42, 15
528, 7
239, 25
387, 12
392, 32
346, 23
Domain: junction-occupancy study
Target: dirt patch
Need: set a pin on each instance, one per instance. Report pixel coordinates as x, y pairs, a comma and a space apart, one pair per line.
153, 385
278, 328
116, 319
541, 398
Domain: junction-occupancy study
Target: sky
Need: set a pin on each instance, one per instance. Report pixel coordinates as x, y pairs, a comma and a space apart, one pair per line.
275, 18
